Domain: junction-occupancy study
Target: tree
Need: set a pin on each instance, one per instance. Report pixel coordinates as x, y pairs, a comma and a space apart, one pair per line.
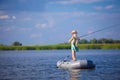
16, 43
110, 41
83, 41
116, 41
93, 41
102, 40
1, 44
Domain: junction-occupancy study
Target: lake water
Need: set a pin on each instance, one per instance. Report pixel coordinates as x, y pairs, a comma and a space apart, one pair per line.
41, 65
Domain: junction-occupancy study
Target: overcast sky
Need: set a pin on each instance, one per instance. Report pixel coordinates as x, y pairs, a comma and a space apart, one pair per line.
39, 22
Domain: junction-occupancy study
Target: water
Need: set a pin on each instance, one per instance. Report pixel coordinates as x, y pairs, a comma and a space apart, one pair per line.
41, 65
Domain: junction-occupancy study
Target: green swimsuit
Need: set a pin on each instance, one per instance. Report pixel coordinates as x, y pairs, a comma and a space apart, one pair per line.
73, 46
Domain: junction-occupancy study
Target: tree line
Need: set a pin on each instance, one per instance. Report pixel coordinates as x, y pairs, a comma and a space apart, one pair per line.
98, 41
81, 41
16, 43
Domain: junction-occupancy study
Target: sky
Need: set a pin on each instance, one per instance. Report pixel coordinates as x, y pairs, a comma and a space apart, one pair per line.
43, 22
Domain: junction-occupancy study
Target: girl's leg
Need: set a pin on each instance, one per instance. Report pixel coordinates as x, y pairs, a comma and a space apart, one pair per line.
73, 55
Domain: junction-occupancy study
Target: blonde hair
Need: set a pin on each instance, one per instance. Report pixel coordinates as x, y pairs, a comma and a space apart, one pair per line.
74, 32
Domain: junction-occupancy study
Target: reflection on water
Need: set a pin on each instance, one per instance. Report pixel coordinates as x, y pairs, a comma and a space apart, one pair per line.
74, 74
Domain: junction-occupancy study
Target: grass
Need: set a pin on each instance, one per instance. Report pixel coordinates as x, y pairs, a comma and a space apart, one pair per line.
61, 46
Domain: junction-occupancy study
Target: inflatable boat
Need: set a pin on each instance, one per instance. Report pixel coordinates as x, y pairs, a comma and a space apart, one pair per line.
78, 64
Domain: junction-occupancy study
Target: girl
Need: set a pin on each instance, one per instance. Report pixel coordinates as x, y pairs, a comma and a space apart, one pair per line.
74, 44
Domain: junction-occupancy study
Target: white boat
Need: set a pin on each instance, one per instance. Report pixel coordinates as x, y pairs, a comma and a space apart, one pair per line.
78, 64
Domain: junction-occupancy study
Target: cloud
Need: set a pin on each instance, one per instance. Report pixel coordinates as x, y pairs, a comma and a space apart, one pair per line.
41, 25
63, 15
15, 28
90, 31
4, 17
7, 29
35, 35
24, 29
27, 19
76, 1
108, 7
98, 7
13, 17
49, 23
7, 17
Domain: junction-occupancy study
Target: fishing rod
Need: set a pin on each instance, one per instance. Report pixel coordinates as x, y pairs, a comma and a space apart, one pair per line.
98, 30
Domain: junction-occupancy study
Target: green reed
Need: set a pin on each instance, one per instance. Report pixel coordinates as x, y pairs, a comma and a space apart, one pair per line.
61, 46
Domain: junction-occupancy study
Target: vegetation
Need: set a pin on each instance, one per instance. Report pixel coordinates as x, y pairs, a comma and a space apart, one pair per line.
99, 41
62, 46
102, 43
17, 43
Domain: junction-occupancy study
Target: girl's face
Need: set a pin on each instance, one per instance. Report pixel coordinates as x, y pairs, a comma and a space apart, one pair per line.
74, 35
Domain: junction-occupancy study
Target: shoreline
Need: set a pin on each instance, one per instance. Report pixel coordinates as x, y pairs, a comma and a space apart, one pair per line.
61, 46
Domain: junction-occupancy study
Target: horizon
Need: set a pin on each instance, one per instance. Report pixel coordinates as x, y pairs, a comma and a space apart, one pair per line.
43, 22
98, 41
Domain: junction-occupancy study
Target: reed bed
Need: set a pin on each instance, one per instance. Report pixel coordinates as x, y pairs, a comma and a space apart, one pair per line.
61, 46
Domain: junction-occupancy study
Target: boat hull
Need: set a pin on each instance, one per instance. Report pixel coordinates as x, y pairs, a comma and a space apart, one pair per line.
78, 64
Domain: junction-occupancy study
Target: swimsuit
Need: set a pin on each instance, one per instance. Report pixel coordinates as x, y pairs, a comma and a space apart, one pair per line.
73, 46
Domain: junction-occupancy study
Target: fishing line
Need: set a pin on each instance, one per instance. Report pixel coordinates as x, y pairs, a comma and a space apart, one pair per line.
98, 30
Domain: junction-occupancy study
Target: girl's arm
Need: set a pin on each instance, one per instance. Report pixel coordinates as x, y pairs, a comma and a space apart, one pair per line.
77, 40
70, 39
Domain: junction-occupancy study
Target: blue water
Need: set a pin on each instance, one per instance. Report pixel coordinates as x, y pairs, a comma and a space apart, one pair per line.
41, 65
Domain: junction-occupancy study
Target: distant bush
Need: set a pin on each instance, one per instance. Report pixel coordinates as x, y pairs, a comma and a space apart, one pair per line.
17, 43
